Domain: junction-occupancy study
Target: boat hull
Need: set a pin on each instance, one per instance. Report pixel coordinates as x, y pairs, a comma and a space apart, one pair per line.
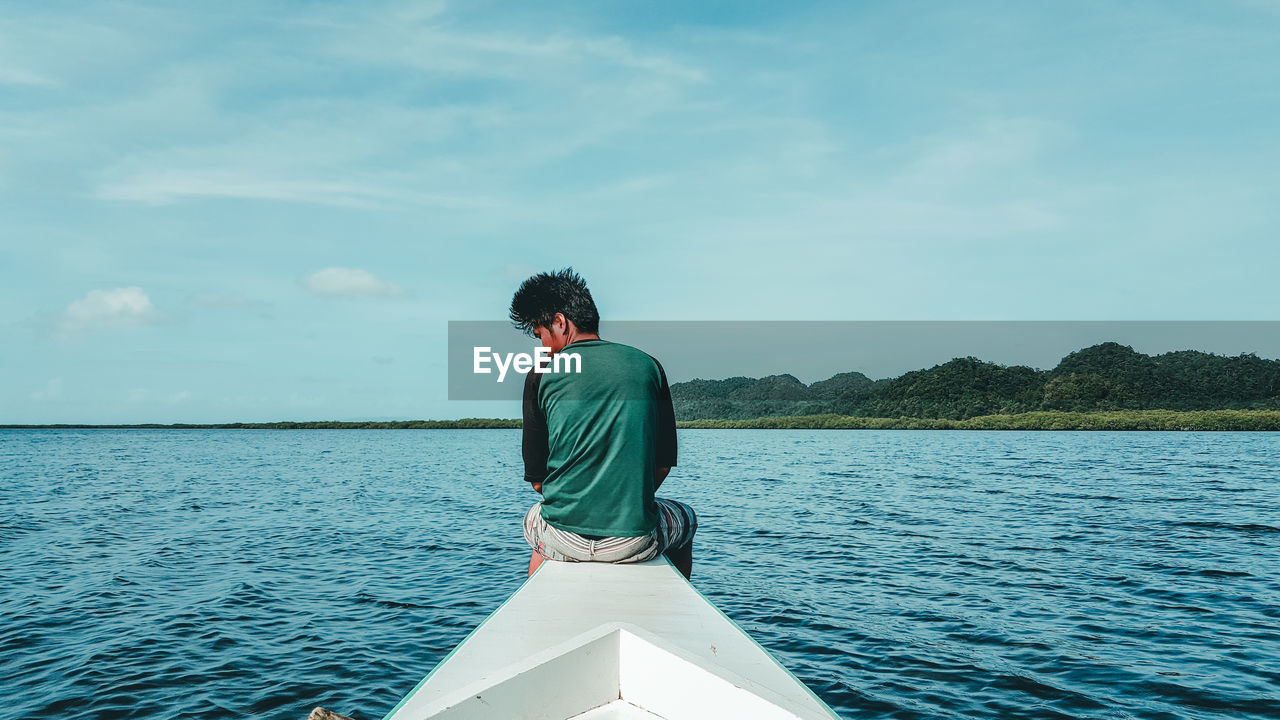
595, 641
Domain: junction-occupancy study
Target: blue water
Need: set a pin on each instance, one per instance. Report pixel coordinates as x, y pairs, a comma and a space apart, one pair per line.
229, 574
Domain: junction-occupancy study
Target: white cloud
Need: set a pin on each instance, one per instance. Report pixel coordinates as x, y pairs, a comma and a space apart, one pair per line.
349, 282
110, 308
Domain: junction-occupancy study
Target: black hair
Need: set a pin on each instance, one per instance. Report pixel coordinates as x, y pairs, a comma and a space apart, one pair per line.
540, 297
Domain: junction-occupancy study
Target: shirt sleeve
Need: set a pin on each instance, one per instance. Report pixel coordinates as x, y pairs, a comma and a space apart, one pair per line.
666, 446
534, 442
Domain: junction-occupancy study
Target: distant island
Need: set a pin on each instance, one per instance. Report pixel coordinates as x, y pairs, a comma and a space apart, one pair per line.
1108, 377
1108, 386
1120, 420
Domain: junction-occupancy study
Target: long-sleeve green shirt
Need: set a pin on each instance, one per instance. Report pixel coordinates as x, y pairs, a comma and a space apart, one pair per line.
594, 438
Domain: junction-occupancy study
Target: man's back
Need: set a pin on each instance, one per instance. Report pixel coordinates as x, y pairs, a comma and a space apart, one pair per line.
600, 434
599, 438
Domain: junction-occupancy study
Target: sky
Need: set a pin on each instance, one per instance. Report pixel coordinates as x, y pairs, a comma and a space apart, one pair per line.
244, 211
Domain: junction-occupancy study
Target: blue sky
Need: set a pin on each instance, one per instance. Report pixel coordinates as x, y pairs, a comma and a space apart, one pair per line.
251, 211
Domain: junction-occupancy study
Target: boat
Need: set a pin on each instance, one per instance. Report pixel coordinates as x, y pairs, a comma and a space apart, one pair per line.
598, 641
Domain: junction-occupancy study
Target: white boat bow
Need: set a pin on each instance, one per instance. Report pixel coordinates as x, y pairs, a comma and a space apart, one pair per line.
596, 641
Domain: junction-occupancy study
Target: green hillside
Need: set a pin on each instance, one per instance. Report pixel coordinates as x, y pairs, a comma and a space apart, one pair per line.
1106, 377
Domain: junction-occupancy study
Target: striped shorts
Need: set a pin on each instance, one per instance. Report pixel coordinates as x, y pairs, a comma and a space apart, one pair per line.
677, 524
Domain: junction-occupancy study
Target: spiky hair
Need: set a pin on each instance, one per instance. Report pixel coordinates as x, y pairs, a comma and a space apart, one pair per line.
540, 297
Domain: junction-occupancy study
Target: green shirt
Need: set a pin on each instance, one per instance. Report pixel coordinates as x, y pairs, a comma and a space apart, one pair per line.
594, 439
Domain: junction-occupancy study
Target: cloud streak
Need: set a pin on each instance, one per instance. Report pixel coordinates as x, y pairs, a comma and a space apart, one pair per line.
169, 186
15, 76
340, 282
472, 111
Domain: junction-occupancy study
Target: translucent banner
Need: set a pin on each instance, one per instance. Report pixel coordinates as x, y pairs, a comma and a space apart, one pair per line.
817, 350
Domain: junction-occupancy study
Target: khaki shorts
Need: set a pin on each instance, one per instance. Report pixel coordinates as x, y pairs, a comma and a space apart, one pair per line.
677, 524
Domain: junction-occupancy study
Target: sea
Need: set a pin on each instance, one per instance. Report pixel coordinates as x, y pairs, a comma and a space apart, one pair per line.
900, 574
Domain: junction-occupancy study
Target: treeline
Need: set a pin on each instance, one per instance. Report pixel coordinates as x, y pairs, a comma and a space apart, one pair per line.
1107, 377
1052, 420
463, 424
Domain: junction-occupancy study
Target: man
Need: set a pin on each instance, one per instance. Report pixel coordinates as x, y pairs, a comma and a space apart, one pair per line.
599, 438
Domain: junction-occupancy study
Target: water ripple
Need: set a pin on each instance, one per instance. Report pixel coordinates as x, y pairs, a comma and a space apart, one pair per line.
919, 575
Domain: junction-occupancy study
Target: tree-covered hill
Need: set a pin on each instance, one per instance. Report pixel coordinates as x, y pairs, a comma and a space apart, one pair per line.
1104, 377
958, 389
